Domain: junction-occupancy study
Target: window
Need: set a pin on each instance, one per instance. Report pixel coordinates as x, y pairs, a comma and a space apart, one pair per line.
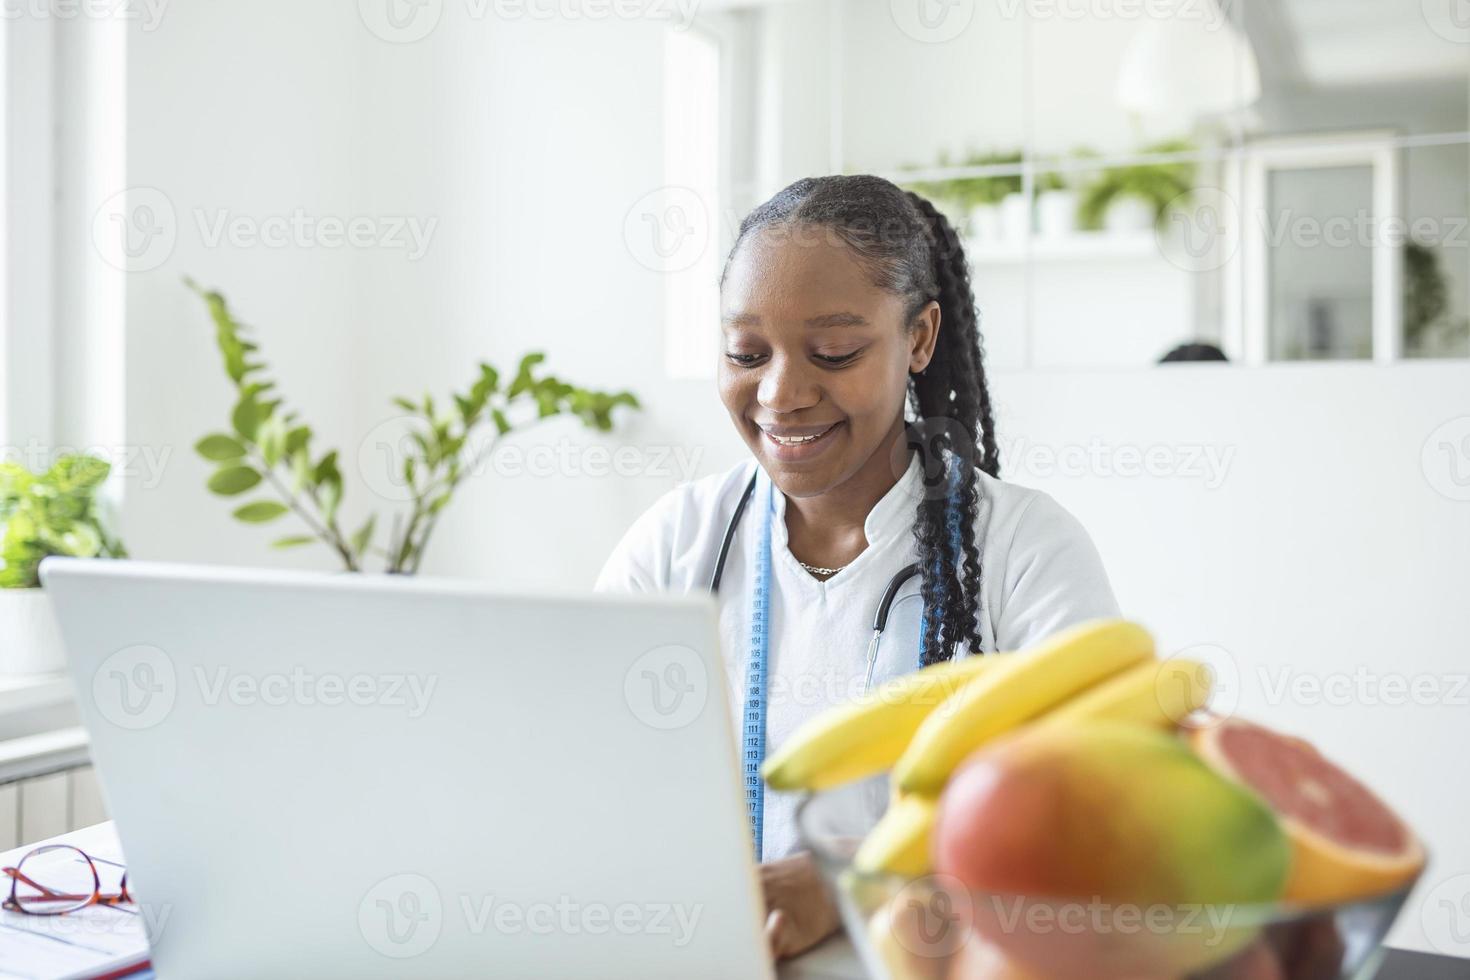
683, 221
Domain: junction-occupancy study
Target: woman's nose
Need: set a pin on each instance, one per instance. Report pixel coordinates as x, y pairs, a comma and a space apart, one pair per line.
786, 386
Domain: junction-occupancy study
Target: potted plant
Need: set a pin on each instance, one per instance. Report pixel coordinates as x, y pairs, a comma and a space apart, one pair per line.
1056, 206
1137, 197
270, 449
44, 514
989, 206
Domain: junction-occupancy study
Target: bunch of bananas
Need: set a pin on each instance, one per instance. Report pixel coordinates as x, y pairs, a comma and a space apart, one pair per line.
923, 725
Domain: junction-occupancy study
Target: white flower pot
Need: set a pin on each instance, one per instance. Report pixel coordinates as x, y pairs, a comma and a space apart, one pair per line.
30, 640
1129, 213
1056, 213
985, 222
1015, 217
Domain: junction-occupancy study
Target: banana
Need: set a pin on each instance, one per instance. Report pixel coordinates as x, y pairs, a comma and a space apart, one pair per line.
1020, 687
1156, 694
900, 843
868, 735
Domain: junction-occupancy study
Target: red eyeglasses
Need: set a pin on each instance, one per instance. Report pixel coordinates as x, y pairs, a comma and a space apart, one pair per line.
58, 878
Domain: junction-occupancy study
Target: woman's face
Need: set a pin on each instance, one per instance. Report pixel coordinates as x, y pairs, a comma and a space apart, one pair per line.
816, 358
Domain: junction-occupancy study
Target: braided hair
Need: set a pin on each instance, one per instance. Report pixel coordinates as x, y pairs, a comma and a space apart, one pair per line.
910, 249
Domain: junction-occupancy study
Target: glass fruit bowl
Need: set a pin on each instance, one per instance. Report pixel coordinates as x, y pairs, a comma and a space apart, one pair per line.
931, 928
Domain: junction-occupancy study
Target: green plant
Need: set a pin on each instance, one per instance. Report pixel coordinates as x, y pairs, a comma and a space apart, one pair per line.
964, 193
51, 513
271, 447
1156, 183
1425, 298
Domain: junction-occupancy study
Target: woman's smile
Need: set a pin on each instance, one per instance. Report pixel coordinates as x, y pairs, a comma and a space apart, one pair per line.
798, 443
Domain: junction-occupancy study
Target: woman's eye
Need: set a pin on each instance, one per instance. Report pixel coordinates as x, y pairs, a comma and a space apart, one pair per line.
745, 360
836, 358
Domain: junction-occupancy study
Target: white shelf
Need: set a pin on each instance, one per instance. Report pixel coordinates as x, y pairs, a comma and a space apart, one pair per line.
30, 691
1083, 246
47, 752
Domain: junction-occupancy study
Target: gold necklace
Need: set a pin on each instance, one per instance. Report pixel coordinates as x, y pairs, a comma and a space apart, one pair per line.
819, 570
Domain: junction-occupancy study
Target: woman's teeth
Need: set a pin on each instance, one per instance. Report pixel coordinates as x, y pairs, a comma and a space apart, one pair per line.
797, 440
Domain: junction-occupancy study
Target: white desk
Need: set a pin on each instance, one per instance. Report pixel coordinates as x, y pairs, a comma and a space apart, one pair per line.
99, 938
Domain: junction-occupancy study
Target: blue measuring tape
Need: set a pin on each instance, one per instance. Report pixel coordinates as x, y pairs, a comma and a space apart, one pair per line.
757, 661
755, 670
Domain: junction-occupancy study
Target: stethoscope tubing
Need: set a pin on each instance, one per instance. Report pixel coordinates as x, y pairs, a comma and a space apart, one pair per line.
880, 616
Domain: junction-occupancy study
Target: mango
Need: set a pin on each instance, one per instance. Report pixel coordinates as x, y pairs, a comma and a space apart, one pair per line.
1108, 849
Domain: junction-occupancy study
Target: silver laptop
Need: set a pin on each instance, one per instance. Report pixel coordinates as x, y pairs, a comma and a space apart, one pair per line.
320, 775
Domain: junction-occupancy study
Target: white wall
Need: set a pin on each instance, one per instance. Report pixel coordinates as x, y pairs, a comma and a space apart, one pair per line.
526, 142
1324, 547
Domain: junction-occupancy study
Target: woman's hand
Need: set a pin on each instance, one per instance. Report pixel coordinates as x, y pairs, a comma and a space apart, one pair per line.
799, 909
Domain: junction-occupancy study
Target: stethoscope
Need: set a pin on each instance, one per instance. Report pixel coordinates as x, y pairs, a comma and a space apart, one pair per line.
753, 719
880, 618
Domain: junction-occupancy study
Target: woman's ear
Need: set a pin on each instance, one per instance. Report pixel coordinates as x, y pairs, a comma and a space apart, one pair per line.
923, 336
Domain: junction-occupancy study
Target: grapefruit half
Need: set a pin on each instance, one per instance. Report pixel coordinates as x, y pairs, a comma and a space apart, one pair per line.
1346, 843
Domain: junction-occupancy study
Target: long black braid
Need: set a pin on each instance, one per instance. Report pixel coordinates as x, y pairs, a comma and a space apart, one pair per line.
911, 249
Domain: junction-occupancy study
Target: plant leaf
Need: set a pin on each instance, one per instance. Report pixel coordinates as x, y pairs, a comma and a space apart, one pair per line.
246, 417
272, 434
297, 439
220, 448
295, 541
234, 480
261, 511
364, 535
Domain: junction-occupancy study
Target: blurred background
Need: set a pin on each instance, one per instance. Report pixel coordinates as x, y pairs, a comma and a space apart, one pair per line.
389, 192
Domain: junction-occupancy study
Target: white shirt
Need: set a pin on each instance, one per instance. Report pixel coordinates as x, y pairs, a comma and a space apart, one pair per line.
1039, 573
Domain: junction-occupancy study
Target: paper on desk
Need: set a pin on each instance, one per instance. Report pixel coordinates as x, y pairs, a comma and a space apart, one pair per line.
94, 942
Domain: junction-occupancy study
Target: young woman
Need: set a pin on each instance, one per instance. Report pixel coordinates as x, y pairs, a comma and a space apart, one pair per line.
845, 301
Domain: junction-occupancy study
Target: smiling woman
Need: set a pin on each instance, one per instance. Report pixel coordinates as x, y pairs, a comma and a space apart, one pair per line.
852, 368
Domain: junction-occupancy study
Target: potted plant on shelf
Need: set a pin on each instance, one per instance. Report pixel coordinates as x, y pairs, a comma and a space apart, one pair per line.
44, 514
989, 206
1056, 206
271, 449
1137, 197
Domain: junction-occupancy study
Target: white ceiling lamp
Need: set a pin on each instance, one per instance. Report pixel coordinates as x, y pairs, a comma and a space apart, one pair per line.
1193, 61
